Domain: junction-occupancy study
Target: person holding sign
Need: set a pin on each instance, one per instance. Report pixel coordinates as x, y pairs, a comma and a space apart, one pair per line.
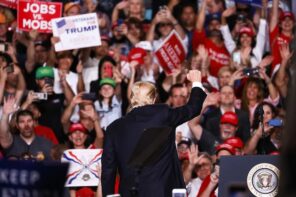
123, 134
164, 22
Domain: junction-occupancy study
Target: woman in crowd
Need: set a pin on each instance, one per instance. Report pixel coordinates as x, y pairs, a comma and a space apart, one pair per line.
247, 52
266, 138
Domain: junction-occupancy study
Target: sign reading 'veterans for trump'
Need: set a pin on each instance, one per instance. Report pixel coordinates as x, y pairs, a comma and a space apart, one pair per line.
84, 167
76, 32
171, 53
37, 15
9, 3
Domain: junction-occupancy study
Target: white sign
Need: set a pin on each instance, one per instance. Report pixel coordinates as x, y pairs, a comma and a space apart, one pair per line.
83, 167
76, 32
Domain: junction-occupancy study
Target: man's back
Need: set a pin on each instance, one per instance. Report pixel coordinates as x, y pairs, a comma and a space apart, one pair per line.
122, 137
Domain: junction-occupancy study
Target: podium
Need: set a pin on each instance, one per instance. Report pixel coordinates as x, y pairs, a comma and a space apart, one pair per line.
249, 176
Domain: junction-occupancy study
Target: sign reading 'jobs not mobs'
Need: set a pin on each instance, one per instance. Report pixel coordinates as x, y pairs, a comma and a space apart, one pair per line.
37, 15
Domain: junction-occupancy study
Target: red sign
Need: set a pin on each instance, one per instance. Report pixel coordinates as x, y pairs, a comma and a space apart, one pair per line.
9, 3
37, 15
171, 53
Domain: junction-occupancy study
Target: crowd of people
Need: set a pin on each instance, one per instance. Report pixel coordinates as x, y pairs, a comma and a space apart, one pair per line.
53, 101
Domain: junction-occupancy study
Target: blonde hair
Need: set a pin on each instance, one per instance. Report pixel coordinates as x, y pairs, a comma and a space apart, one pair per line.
143, 93
142, 9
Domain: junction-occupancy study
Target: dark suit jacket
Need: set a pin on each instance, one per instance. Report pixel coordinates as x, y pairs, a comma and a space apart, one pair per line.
212, 123
122, 136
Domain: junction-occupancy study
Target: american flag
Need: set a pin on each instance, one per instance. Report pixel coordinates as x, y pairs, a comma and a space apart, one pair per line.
64, 24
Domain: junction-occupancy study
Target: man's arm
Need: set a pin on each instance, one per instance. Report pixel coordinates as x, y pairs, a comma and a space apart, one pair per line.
109, 164
5, 135
179, 115
274, 15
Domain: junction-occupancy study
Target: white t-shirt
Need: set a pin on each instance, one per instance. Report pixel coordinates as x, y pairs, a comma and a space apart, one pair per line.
90, 72
71, 78
193, 187
107, 115
185, 130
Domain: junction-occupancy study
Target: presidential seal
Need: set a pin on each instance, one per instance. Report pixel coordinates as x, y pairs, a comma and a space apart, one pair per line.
263, 180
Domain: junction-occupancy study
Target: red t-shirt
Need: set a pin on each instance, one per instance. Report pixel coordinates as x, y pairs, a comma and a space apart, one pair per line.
219, 55
276, 40
46, 132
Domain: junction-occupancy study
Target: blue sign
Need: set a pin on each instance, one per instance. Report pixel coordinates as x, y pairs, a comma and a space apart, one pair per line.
34, 179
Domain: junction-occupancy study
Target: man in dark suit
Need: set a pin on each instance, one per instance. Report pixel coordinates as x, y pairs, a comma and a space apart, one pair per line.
123, 134
211, 120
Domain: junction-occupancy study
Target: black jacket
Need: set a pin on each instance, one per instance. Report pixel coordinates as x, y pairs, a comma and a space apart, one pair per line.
211, 122
122, 136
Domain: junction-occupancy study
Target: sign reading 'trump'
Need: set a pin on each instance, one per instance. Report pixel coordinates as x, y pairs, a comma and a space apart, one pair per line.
76, 32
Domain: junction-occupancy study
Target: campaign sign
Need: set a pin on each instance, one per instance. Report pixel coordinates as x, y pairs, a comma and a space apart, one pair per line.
171, 52
83, 168
37, 15
76, 32
35, 179
9, 3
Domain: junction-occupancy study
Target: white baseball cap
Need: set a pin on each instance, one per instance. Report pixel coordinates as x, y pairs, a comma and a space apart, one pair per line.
146, 45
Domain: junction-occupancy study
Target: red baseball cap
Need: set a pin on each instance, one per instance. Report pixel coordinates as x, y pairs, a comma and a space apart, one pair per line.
137, 54
247, 30
287, 14
230, 118
227, 147
236, 142
77, 127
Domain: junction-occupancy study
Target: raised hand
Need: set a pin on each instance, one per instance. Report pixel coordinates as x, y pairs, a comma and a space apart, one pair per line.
47, 89
33, 34
77, 99
238, 74
266, 61
122, 5
194, 159
194, 76
202, 52
212, 99
117, 76
31, 97
229, 11
285, 52
79, 67
91, 113
9, 105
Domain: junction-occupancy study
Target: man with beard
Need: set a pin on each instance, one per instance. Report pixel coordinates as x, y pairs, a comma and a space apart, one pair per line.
207, 141
25, 144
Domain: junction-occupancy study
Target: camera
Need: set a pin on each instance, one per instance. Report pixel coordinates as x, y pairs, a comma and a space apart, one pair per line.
89, 96
9, 68
275, 122
41, 95
49, 81
179, 193
250, 71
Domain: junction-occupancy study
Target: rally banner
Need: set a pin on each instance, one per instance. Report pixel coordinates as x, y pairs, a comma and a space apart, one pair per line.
76, 32
171, 52
83, 167
31, 178
9, 3
37, 15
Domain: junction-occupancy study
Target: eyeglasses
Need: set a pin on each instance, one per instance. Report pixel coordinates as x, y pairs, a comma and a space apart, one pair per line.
165, 24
